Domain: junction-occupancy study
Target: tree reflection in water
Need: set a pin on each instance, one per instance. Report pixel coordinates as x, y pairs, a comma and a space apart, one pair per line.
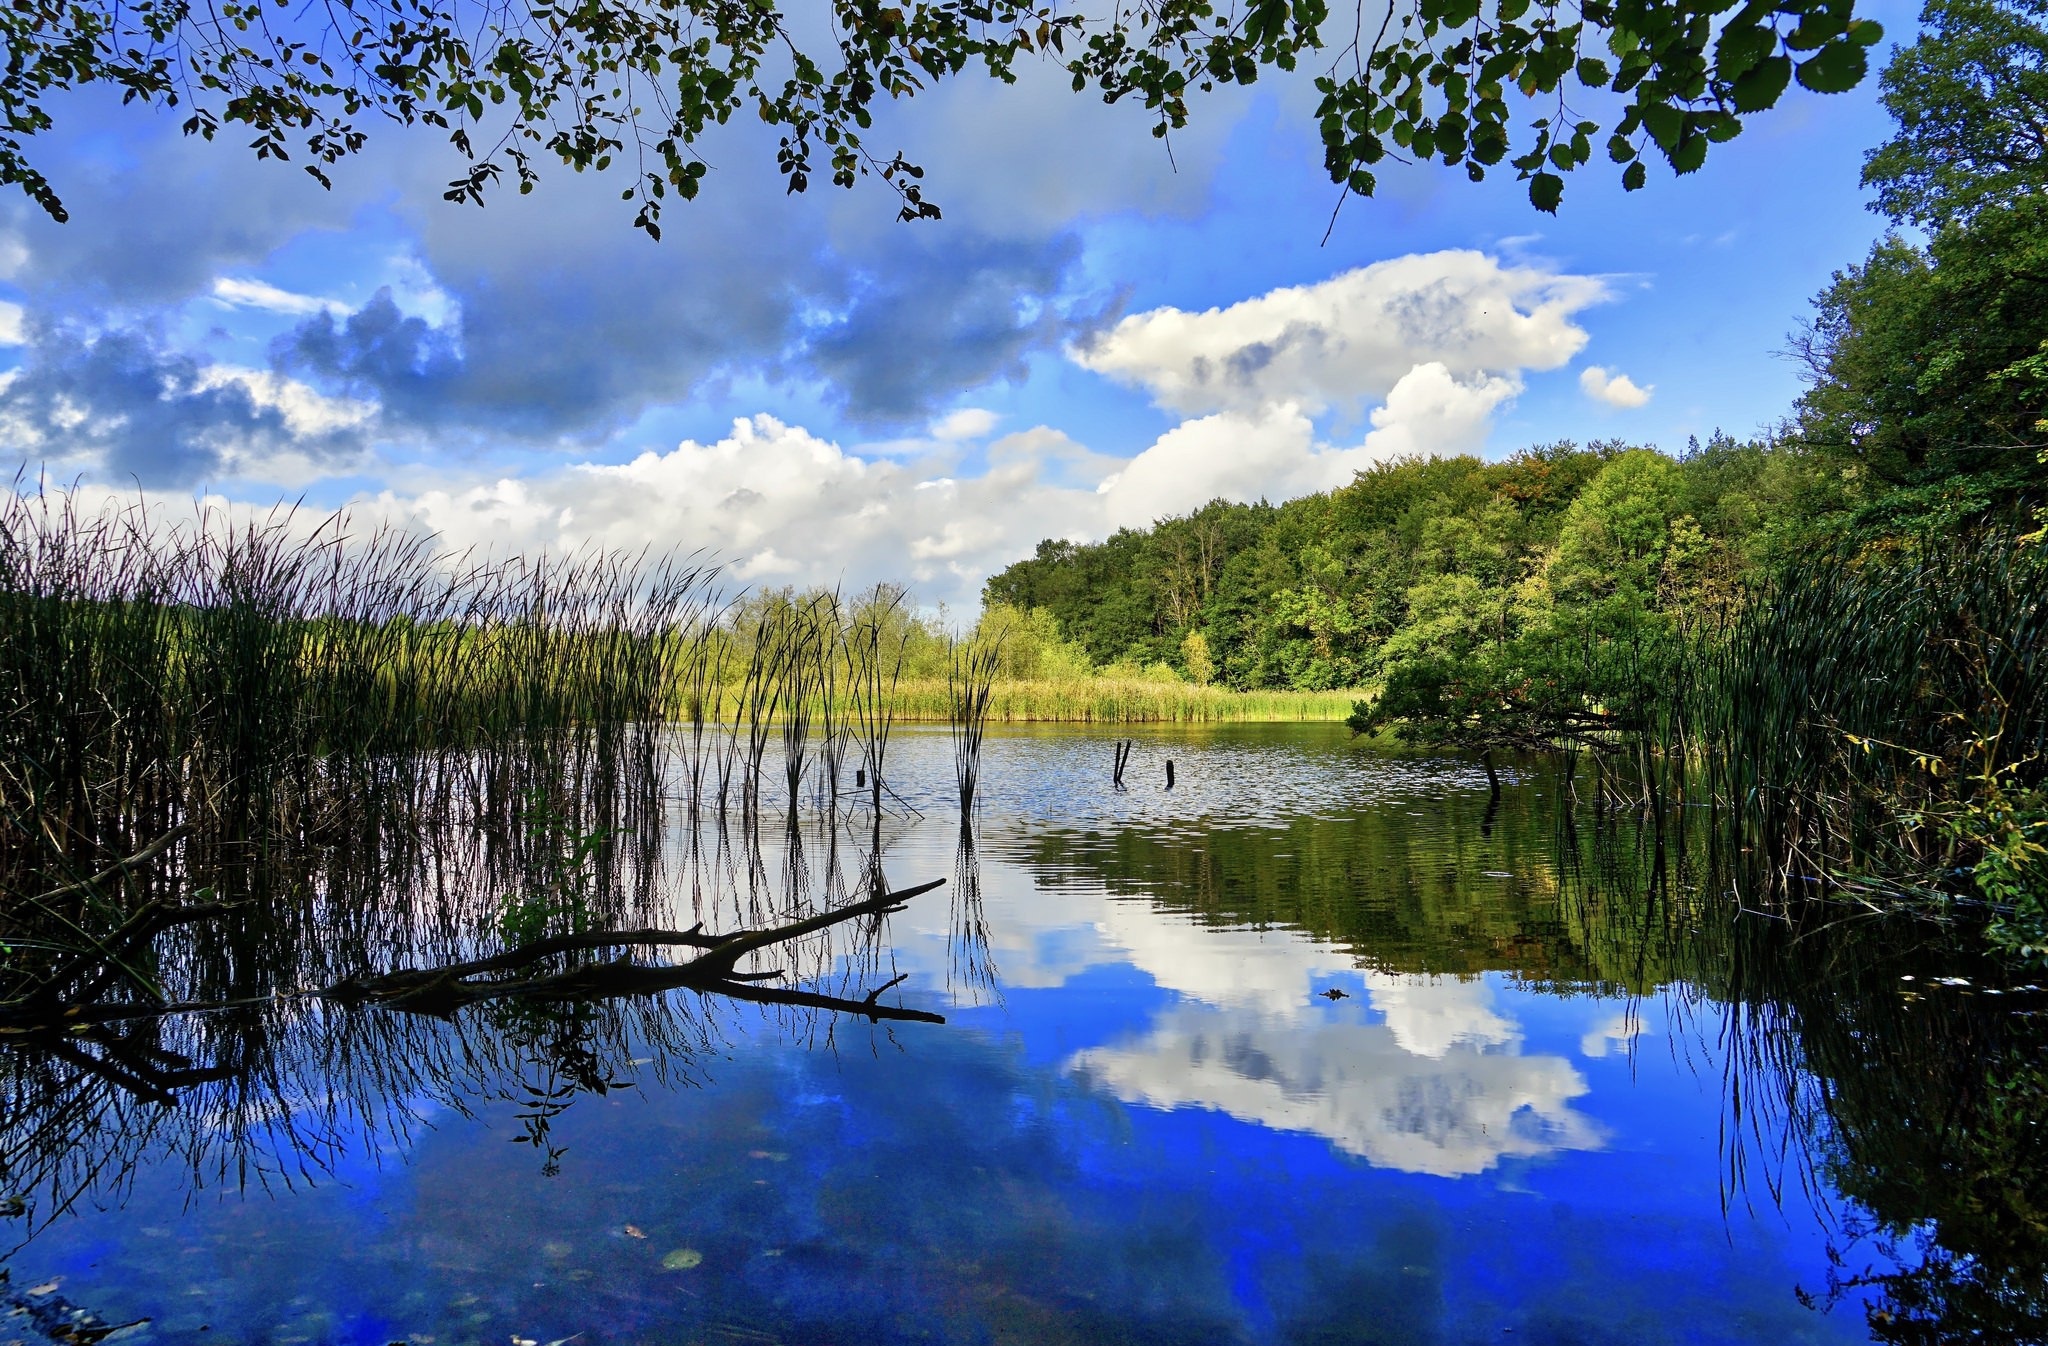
1874, 1069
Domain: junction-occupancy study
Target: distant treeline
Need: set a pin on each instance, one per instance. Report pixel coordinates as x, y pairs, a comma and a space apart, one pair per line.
1324, 591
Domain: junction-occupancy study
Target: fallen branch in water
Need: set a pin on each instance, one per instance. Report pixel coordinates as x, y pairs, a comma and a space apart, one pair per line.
442, 990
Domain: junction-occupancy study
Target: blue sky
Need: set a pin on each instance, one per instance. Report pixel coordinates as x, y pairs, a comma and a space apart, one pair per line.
1094, 334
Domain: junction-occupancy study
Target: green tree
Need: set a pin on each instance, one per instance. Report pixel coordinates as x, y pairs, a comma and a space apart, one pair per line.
1928, 367
584, 84
1614, 535
1194, 656
1971, 101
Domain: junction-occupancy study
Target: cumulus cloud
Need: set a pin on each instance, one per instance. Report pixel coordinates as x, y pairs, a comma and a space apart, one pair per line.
776, 501
1353, 337
124, 405
966, 423
1435, 343
1440, 1085
1431, 410
1451, 1115
928, 318
574, 344
566, 325
1615, 390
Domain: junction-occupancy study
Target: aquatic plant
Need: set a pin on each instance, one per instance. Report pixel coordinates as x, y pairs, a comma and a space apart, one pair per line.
1884, 714
968, 687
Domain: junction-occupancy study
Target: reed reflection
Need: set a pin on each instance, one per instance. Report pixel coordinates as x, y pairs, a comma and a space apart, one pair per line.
487, 971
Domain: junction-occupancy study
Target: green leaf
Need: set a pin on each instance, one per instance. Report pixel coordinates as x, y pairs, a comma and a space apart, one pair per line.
1866, 32
1634, 176
1666, 125
1690, 154
1545, 191
1762, 86
1593, 73
1836, 68
1741, 47
1817, 27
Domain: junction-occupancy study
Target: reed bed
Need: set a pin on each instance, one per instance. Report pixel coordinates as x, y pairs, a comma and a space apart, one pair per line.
261, 682
1124, 701
1886, 714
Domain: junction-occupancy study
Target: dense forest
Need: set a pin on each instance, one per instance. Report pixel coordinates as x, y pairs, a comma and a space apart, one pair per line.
1328, 590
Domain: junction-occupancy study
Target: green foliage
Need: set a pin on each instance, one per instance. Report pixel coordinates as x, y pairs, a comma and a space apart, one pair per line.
587, 84
1971, 100
2009, 830
562, 864
1884, 710
1031, 647
1929, 369
1494, 604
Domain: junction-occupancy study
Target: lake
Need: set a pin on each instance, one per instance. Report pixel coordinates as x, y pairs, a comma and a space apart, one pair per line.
1320, 1046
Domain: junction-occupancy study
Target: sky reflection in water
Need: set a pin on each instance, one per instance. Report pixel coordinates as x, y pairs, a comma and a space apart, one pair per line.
1149, 1127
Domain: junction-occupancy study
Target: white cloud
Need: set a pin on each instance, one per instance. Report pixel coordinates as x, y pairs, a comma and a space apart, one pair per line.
775, 500
1453, 1114
1433, 411
1616, 390
966, 423
1353, 337
306, 410
1618, 1031
242, 292
1237, 455
1273, 452
1431, 346
13, 324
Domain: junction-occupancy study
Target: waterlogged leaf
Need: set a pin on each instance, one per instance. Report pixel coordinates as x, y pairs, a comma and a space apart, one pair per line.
682, 1259
1761, 87
1545, 191
633, 1232
46, 1288
1835, 68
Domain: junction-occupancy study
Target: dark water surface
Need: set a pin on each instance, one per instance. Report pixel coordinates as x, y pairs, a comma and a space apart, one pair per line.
1566, 1095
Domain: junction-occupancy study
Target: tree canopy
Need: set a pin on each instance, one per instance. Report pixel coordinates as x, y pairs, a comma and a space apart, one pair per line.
1928, 362
1971, 100
514, 83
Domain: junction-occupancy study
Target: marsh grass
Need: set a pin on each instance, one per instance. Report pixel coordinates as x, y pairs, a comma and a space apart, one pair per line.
1105, 700
1886, 715
270, 688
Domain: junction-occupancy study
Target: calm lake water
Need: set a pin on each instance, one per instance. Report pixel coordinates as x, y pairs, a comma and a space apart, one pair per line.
1317, 1047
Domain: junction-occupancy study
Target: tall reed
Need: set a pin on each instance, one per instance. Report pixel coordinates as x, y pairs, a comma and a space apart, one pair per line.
968, 686
1866, 707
